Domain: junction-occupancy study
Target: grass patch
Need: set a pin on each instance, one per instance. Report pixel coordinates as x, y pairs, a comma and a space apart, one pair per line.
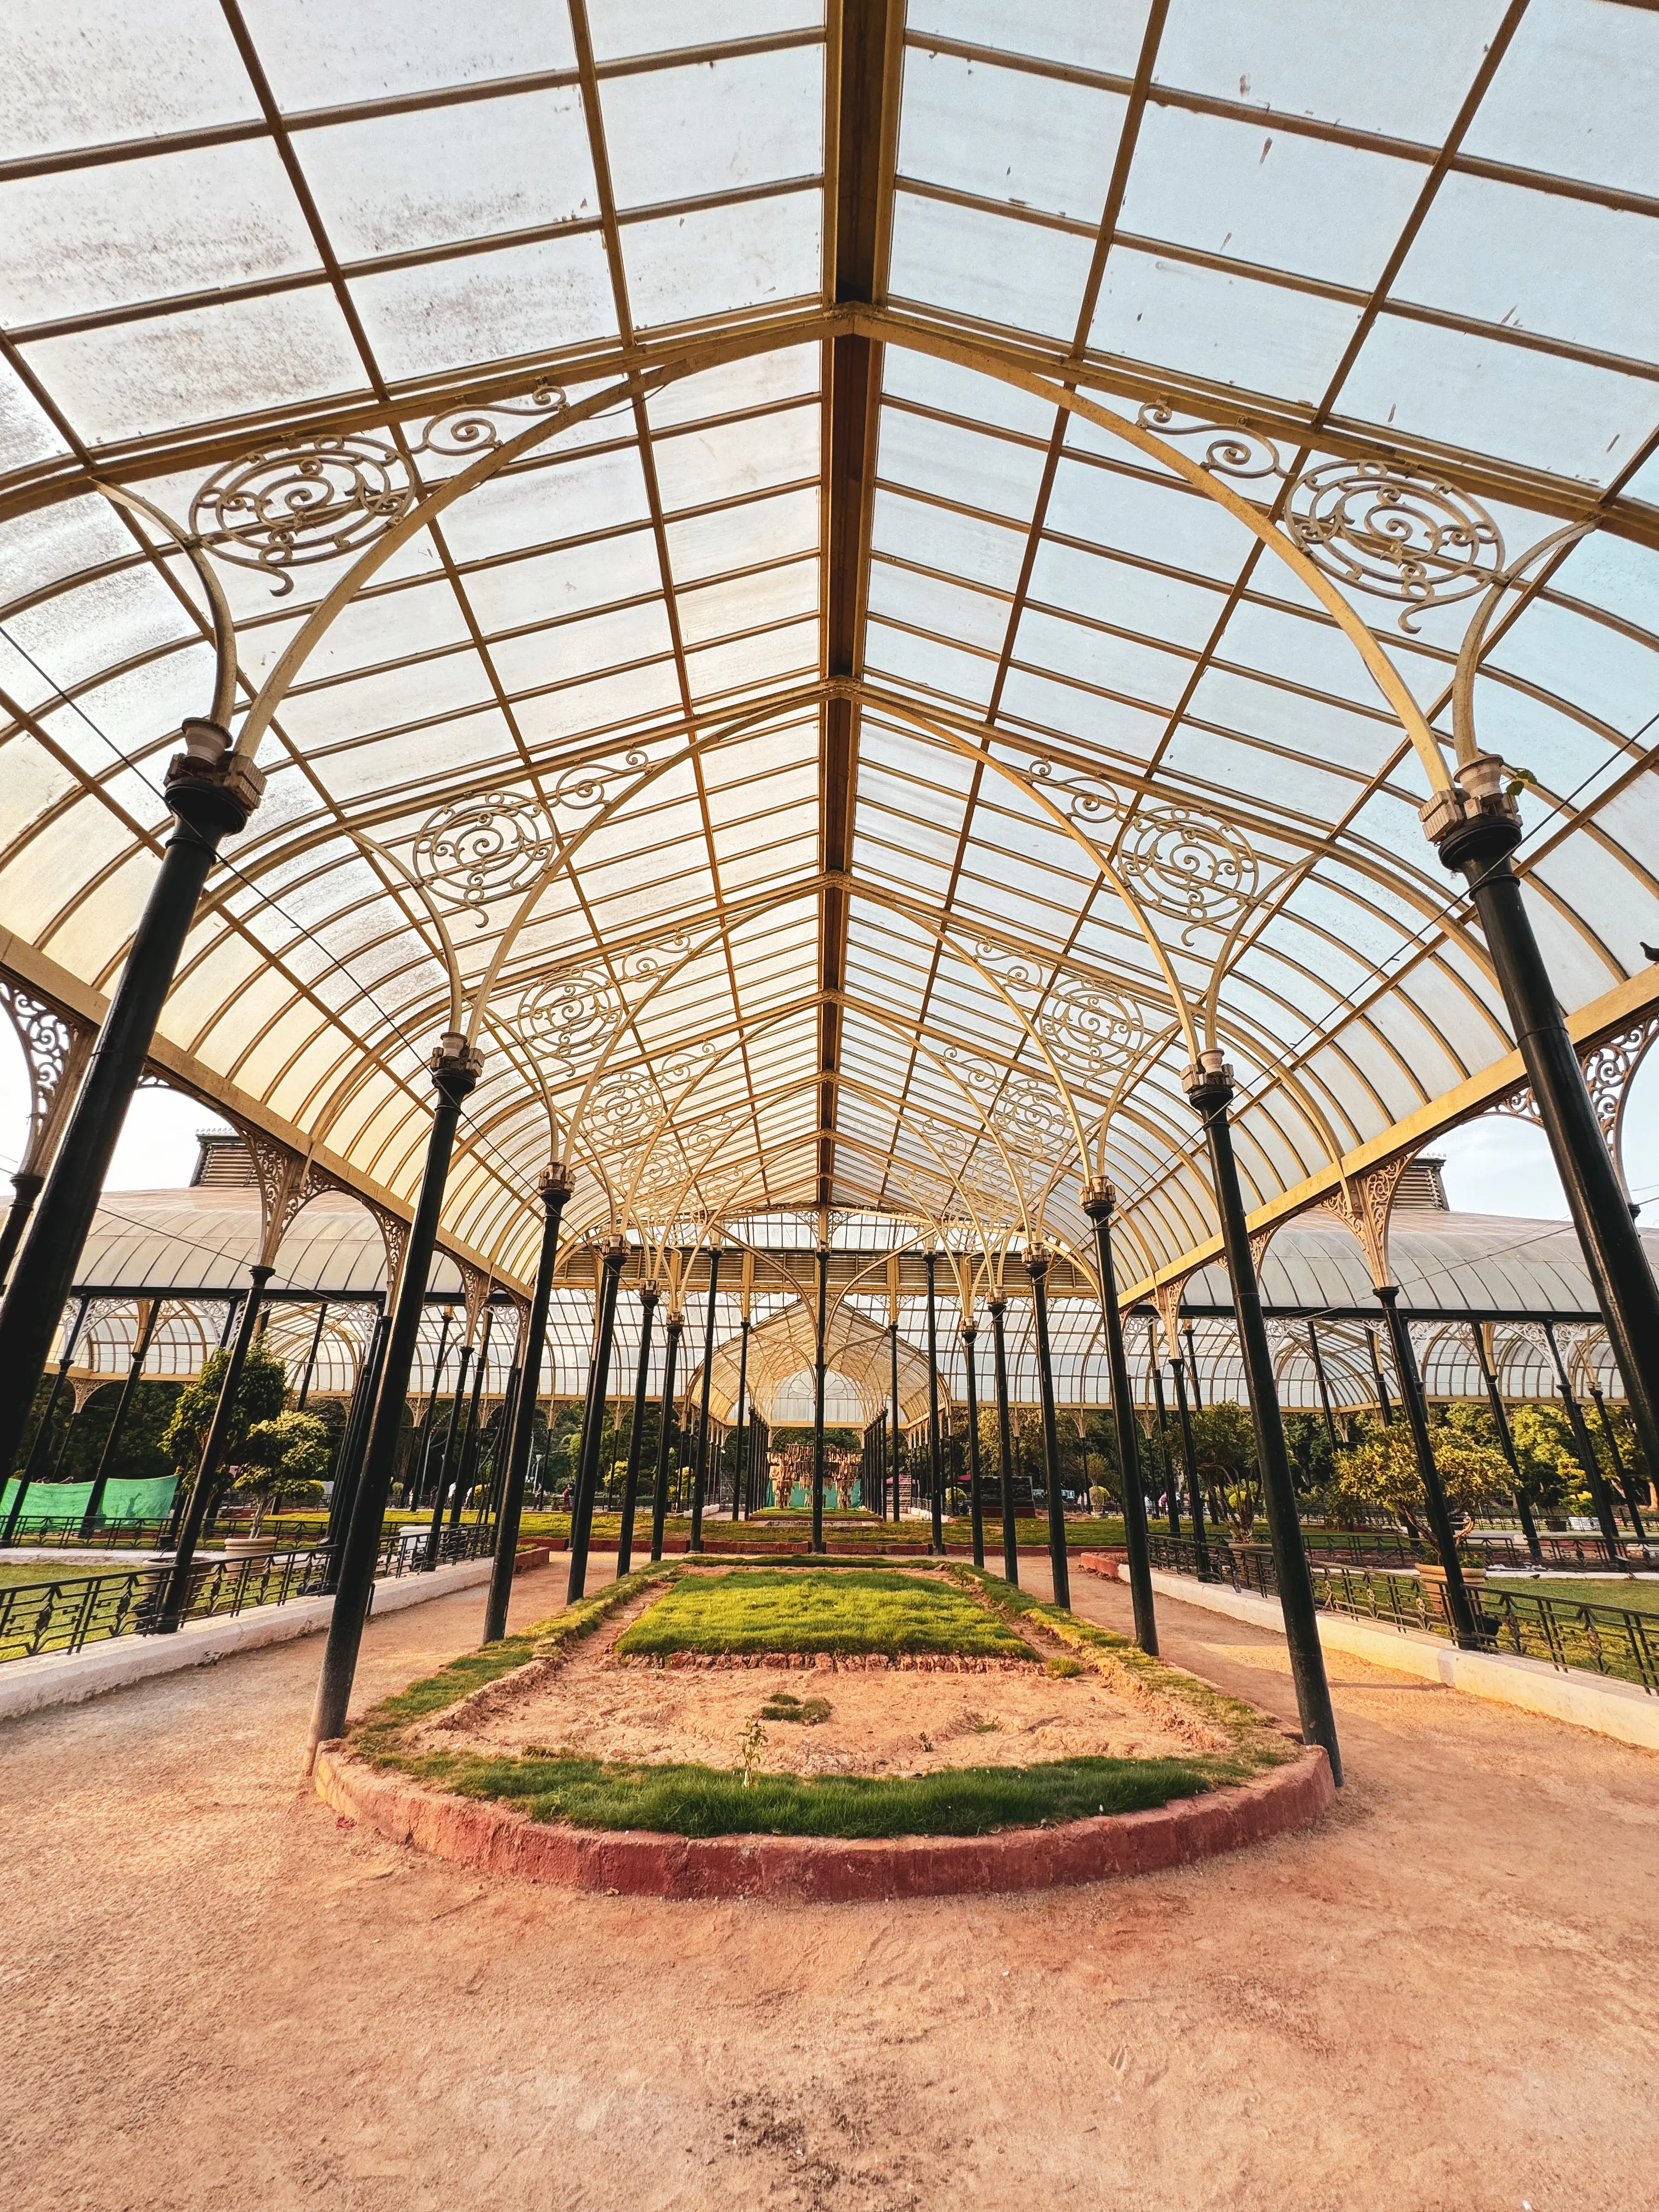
808, 1711
1639, 1594
706, 1800
852, 1610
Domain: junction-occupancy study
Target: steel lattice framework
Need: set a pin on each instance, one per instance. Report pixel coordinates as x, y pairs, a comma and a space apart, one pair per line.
843, 595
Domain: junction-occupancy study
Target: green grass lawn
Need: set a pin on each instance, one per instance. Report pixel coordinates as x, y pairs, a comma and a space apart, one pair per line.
1639, 1594
852, 1609
44, 1570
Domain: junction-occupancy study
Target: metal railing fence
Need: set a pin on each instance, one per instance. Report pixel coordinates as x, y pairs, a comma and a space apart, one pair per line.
1618, 1641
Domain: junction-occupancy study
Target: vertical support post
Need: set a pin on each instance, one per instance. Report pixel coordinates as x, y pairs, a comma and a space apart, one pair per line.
553, 1188
635, 1432
93, 1509
743, 1388
898, 1440
1098, 1201
659, 1494
1464, 1626
500, 1448
349, 1460
1171, 1497
1209, 1087
1192, 1368
1585, 1451
311, 1357
171, 1611
38, 1443
1037, 1263
1382, 1406
455, 1068
996, 1308
469, 1461
817, 1399
1194, 1484
936, 1544
1501, 1421
434, 1536
26, 1188
418, 1488
975, 1499
700, 1478
1324, 1385
1624, 1483
1475, 827
587, 1470
211, 795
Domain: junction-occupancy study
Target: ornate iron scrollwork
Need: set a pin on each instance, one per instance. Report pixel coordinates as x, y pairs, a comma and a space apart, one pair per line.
1192, 866
1234, 450
1394, 533
483, 849
294, 502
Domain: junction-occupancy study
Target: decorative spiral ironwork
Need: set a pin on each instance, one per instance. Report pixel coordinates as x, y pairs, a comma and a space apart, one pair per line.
584, 787
1233, 449
1089, 802
569, 1013
483, 849
1183, 862
292, 504
1396, 535
1091, 1031
466, 432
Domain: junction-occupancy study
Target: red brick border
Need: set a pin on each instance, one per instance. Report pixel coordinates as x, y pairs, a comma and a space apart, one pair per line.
635, 1862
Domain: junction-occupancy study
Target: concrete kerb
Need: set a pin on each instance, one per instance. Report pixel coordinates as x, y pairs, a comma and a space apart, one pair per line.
69, 1678
816, 1869
1620, 1709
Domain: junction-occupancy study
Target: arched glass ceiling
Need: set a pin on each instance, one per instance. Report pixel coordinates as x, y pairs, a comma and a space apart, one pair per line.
897, 750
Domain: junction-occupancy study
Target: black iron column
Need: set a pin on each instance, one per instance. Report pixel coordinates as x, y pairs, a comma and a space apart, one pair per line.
455, 1068
1585, 1451
898, 1440
435, 1533
1501, 1420
1626, 1485
38, 1443
996, 1308
659, 1494
700, 1477
587, 1472
1172, 1496
1195, 1484
1382, 1405
1038, 1263
975, 1498
1098, 1201
469, 1460
818, 1400
648, 1294
311, 1358
1324, 1386
553, 1188
1464, 1624
500, 1447
171, 1611
934, 1480
211, 795
349, 1464
1209, 1087
1192, 1368
418, 1488
1475, 830
26, 1189
743, 1388
95, 1504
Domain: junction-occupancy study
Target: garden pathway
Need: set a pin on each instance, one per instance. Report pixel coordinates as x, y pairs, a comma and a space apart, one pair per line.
1441, 1999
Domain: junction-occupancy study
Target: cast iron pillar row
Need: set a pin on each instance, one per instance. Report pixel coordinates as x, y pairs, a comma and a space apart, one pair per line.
553, 1188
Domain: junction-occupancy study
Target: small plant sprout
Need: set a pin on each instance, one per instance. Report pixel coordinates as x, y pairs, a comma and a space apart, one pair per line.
752, 1744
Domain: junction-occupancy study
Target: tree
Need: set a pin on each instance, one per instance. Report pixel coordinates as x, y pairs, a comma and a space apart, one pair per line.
1542, 1437
261, 1390
1224, 1447
1380, 1475
283, 1462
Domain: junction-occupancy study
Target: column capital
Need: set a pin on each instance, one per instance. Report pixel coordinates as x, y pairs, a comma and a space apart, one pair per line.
208, 785
1038, 1261
555, 1183
1209, 1082
1098, 1199
455, 1065
1475, 823
648, 1294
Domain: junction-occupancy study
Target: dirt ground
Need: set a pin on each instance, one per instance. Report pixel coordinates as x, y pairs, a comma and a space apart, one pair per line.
892, 1722
1442, 2001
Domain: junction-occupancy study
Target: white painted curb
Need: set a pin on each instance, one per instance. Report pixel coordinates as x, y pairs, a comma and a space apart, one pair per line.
1621, 1710
69, 1678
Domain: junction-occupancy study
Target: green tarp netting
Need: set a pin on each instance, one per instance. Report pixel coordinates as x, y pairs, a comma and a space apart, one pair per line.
54, 1505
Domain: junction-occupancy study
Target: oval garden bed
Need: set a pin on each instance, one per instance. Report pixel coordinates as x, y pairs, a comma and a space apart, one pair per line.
721, 1729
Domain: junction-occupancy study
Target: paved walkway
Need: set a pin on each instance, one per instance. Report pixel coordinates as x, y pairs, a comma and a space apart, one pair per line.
1442, 2001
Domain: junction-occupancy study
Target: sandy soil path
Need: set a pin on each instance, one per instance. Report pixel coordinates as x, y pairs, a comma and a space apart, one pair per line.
1443, 1999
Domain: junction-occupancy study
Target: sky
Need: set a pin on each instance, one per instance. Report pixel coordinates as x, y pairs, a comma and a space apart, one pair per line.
1494, 1165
